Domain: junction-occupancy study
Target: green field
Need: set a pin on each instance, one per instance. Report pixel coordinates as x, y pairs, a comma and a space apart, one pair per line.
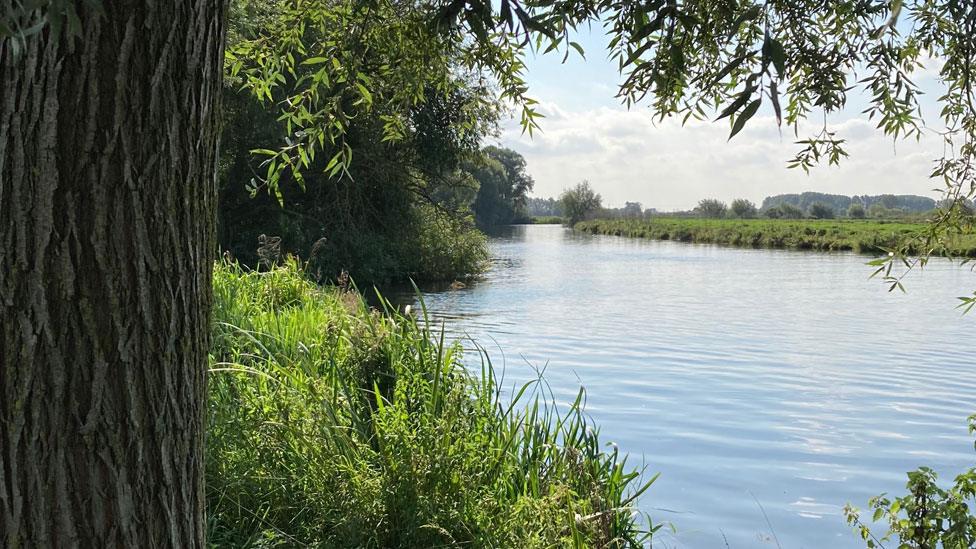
862, 236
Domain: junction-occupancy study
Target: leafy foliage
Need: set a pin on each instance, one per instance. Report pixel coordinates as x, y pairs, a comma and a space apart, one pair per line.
711, 208
819, 210
321, 62
856, 211
579, 202
906, 203
799, 59
325, 65
405, 210
544, 207
743, 209
784, 211
503, 186
928, 516
21, 20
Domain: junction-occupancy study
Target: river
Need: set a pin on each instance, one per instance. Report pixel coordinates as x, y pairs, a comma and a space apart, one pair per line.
769, 388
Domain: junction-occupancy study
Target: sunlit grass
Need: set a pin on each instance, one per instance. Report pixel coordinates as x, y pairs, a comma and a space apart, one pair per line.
863, 236
335, 425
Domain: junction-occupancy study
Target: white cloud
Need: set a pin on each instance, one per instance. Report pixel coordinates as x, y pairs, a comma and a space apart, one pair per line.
627, 156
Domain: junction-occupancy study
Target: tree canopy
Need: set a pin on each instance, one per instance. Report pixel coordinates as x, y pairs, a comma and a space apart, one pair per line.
579, 202
743, 208
839, 202
503, 187
711, 207
703, 59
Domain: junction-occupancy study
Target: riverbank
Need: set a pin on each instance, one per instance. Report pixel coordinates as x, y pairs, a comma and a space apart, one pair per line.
547, 220
862, 236
331, 424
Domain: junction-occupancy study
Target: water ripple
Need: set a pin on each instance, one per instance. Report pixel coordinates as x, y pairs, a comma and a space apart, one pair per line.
780, 377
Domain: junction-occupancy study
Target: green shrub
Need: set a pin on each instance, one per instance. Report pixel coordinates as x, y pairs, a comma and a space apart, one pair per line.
927, 516
743, 209
819, 210
711, 208
789, 211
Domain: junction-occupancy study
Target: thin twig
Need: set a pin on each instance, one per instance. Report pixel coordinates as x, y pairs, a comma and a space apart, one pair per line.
776, 539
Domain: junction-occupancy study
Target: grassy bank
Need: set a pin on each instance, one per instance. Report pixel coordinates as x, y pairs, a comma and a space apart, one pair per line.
333, 425
864, 236
547, 220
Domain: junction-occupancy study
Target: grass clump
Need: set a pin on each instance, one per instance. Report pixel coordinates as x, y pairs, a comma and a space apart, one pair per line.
332, 425
862, 236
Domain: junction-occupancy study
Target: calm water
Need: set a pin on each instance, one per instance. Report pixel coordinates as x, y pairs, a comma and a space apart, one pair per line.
751, 379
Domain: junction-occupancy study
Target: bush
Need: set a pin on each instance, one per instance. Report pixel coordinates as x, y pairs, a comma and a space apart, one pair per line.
743, 209
927, 516
711, 208
784, 211
579, 203
856, 211
443, 247
332, 425
879, 211
819, 210
790, 211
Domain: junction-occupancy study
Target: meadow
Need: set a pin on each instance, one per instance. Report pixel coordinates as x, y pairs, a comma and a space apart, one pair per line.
862, 236
332, 424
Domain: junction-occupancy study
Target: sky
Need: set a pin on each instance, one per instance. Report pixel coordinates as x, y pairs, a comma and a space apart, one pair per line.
628, 156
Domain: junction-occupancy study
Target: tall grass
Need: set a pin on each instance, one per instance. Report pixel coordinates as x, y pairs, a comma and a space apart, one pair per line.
862, 236
333, 425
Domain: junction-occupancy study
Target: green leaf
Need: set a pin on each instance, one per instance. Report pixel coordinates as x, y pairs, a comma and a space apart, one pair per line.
744, 116
774, 97
728, 68
737, 104
778, 55
578, 48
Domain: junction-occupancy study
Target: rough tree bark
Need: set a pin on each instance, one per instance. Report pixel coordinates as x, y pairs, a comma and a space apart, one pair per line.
107, 190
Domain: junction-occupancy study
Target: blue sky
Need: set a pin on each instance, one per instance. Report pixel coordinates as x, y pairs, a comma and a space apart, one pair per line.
588, 134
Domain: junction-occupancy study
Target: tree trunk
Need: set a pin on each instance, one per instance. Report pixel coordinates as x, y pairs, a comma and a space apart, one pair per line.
107, 195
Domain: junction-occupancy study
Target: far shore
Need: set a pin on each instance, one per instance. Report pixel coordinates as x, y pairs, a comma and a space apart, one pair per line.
865, 236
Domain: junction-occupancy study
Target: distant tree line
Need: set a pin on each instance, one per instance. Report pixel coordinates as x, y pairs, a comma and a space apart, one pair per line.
808, 205
906, 203
543, 207
581, 202
745, 209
